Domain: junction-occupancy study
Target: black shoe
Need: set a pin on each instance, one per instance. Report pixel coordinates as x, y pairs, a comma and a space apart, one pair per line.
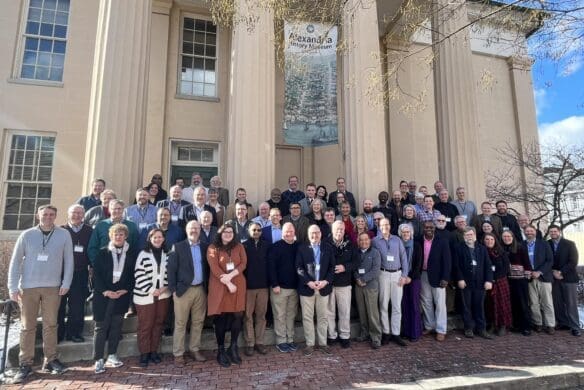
468, 333
54, 367
486, 335
77, 339
576, 332
345, 343
155, 357
168, 332
23, 372
537, 328
222, 358
526, 332
144, 359
233, 354
385, 338
331, 341
398, 340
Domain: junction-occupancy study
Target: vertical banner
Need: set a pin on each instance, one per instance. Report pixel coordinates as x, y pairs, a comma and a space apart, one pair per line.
310, 108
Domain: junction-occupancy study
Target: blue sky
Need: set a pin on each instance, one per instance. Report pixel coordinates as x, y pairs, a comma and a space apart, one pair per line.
559, 99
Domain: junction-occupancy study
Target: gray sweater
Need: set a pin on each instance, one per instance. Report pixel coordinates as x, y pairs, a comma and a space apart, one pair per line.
26, 271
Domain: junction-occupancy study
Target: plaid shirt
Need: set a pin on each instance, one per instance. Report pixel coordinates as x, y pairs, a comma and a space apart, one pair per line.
425, 215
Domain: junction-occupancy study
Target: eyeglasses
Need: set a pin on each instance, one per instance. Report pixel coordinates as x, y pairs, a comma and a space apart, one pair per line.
295, 208
377, 219
440, 220
256, 230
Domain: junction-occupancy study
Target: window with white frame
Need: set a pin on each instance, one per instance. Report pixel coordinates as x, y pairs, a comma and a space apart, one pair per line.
198, 72
45, 40
28, 180
187, 157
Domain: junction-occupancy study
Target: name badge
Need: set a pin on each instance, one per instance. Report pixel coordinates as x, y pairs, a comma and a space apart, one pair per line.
473, 263
493, 267
448, 219
243, 240
142, 225
117, 274
505, 229
78, 249
465, 217
361, 271
317, 267
390, 258
174, 218
42, 257
230, 266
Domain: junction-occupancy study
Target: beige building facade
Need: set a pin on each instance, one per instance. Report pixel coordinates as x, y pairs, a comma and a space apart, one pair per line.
123, 89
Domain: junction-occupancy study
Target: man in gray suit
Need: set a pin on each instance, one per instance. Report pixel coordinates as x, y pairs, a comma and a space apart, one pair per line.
187, 280
367, 291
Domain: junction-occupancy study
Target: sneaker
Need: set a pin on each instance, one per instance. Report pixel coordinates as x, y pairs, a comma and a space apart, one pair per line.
292, 347
23, 372
308, 351
468, 333
283, 347
99, 366
398, 340
54, 367
113, 361
326, 350
486, 335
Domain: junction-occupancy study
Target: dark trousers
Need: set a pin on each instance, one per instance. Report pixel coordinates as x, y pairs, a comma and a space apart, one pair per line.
110, 330
228, 321
519, 291
473, 308
150, 324
565, 296
72, 307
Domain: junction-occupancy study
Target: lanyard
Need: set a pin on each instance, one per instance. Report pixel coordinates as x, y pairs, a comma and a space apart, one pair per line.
47, 237
143, 214
174, 208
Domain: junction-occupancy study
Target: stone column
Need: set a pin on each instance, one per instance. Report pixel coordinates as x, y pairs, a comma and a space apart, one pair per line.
455, 100
525, 115
251, 134
365, 145
117, 111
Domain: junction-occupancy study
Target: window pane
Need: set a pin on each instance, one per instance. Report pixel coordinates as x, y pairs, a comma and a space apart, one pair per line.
195, 154
187, 75
46, 45
29, 191
183, 154
210, 51
44, 59
12, 206
48, 143
48, 16
44, 174
63, 5
58, 60
186, 88
46, 29
56, 74
208, 155
34, 14
198, 89
32, 28
26, 221
200, 37
27, 173
209, 77
10, 222
199, 50
29, 57
187, 62
211, 27
44, 191
209, 90
36, 3
29, 158
198, 75
42, 73
27, 72
50, 4
200, 25
61, 18
187, 36
211, 39
60, 31
187, 48
59, 47
31, 44
13, 190
189, 23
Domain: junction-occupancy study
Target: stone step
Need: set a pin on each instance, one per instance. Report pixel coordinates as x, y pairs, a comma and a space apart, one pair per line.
70, 352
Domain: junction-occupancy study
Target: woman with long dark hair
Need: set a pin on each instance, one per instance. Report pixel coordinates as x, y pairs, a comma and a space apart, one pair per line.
227, 291
520, 268
498, 301
151, 296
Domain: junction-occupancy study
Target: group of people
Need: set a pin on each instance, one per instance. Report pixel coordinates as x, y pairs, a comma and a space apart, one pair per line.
181, 256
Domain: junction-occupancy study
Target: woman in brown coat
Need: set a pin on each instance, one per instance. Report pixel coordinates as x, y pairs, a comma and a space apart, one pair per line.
227, 291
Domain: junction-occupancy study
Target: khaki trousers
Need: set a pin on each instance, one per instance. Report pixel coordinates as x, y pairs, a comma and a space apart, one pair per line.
256, 301
368, 307
390, 291
48, 299
193, 302
309, 305
339, 298
540, 301
284, 307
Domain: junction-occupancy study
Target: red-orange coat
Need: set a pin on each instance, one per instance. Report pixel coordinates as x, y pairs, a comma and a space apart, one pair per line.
219, 299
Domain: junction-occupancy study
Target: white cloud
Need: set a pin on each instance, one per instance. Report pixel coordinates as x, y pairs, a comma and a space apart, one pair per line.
541, 103
572, 67
566, 131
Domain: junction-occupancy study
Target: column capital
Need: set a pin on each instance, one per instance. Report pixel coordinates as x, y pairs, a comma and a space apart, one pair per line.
520, 62
162, 6
396, 44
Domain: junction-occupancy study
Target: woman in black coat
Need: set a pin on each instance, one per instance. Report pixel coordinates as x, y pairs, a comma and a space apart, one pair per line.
113, 281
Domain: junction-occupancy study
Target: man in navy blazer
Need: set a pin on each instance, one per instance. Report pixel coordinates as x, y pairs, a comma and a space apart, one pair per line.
540, 287
187, 279
435, 276
315, 265
273, 232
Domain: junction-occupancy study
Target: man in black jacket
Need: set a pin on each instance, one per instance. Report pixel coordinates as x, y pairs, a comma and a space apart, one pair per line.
315, 266
472, 269
346, 261
565, 284
187, 279
540, 287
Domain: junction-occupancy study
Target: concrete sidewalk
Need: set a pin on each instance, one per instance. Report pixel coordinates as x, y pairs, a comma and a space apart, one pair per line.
509, 362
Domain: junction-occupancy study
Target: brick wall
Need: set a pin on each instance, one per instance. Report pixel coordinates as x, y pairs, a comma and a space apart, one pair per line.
6, 247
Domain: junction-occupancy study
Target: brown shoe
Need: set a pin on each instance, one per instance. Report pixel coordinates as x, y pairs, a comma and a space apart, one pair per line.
197, 356
262, 350
426, 332
440, 336
248, 351
179, 361
550, 330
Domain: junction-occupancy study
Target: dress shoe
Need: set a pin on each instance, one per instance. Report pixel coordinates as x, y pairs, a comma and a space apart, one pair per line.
468, 333
550, 330
248, 351
440, 336
537, 328
222, 358
345, 343
262, 350
576, 332
155, 357
233, 354
326, 349
331, 341
398, 340
197, 356
385, 338
486, 335
77, 339
179, 361
526, 332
